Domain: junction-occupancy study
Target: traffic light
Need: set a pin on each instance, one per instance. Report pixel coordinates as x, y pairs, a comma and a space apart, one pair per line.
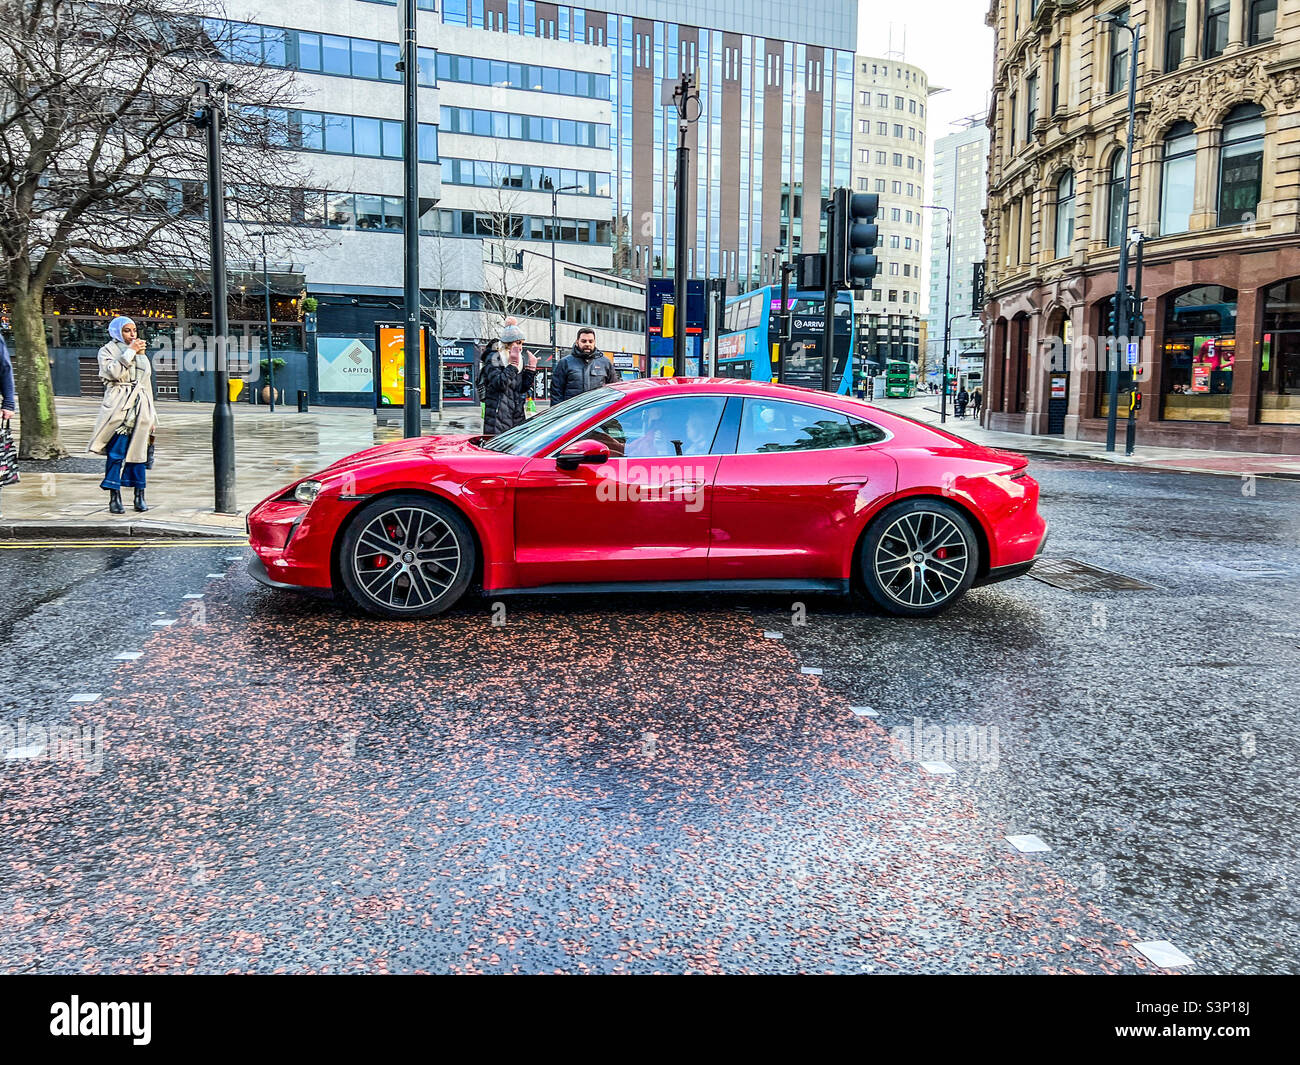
853, 239
1112, 320
1137, 325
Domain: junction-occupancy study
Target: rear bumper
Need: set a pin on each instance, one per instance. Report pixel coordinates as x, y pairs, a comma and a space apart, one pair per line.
1006, 573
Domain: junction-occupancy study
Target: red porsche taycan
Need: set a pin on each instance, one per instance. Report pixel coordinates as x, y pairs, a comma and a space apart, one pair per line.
660, 485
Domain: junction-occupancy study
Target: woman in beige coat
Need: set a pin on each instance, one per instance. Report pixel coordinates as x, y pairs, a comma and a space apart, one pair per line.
126, 417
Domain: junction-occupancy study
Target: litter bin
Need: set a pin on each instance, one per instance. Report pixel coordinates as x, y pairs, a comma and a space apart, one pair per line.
302, 401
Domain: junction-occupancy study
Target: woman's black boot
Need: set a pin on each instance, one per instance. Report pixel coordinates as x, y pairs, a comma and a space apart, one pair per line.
115, 502
139, 500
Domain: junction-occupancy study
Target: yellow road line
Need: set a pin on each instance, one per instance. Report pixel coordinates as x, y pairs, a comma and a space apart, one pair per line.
13, 545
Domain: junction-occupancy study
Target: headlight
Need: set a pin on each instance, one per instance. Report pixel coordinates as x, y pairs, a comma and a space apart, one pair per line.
307, 491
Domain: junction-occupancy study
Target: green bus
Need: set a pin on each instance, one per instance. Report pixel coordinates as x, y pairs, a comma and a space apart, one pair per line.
900, 379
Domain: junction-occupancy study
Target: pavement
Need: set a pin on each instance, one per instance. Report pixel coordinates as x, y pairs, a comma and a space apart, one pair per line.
64, 499
1176, 459
271, 450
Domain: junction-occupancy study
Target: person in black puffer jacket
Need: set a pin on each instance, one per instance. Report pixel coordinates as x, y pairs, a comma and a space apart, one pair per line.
583, 369
503, 383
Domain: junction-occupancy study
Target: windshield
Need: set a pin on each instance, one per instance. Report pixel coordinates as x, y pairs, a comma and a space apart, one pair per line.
532, 436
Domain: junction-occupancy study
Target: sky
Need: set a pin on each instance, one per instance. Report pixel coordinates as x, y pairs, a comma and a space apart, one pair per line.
947, 39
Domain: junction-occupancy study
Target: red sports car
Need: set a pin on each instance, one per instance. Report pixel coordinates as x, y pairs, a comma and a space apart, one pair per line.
661, 485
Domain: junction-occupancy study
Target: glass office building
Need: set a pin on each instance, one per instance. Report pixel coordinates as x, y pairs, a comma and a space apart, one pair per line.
773, 136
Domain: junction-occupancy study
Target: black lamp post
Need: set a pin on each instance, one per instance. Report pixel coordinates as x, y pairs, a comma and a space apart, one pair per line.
1120, 20
947, 312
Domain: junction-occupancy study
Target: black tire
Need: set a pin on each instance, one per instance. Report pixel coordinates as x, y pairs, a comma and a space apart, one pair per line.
895, 575
427, 543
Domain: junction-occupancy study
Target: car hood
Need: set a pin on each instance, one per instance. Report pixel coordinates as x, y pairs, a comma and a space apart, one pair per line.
420, 446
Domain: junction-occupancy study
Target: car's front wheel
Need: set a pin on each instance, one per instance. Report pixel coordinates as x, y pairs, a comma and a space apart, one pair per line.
406, 556
919, 557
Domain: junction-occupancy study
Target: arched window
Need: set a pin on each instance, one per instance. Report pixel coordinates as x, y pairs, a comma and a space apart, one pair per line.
1116, 223
1064, 214
1241, 164
1178, 180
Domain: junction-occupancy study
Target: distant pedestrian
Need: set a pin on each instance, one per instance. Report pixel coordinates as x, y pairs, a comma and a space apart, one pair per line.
584, 368
127, 419
976, 401
504, 383
9, 468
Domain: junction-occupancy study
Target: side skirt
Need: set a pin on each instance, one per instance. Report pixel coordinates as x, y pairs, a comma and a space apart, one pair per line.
833, 587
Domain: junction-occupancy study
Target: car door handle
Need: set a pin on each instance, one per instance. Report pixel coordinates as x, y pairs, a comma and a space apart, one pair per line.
683, 484
851, 479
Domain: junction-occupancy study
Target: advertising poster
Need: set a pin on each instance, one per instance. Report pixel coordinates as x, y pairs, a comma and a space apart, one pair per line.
344, 364
392, 367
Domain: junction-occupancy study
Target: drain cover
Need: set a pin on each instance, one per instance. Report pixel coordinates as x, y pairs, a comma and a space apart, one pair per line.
1076, 576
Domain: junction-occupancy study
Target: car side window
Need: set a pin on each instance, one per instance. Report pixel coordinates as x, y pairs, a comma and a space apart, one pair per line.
682, 425
771, 425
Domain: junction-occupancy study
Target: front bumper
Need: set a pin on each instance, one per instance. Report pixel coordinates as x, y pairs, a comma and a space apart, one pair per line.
257, 570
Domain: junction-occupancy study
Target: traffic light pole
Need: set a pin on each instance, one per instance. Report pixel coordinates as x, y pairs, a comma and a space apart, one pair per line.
682, 95
411, 281
831, 291
783, 349
1130, 435
1121, 284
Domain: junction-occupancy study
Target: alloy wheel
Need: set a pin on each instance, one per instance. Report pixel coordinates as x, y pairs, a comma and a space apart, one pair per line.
406, 559
921, 559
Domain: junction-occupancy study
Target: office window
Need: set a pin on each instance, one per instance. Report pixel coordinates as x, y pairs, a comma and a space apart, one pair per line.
1056, 77
882, 100
898, 188
898, 103
1241, 164
882, 159
1119, 39
1012, 111
1175, 32
882, 129
1217, 17
1064, 214
898, 158
1263, 21
898, 130
880, 184
1178, 179
1116, 223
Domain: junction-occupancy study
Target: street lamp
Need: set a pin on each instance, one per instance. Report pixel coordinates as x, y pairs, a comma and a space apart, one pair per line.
1120, 20
555, 224
947, 311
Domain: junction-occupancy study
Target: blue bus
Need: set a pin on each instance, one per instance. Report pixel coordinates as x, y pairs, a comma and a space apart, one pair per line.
748, 338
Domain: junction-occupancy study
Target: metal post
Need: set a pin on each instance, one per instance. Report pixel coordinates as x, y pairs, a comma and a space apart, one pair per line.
270, 348
1130, 436
947, 317
1121, 283
783, 350
411, 228
681, 97
223, 416
711, 370
830, 291
555, 193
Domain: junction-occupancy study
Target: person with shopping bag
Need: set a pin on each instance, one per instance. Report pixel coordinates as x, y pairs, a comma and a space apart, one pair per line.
125, 426
8, 449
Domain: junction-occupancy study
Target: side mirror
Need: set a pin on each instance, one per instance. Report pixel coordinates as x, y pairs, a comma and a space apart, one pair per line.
584, 452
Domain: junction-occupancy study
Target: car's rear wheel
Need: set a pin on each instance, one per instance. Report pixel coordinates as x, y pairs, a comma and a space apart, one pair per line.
407, 556
919, 557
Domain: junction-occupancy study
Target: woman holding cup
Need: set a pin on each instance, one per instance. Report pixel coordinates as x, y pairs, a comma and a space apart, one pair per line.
127, 418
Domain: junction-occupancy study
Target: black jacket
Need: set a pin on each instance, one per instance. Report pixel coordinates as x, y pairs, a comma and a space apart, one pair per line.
505, 392
577, 373
6, 378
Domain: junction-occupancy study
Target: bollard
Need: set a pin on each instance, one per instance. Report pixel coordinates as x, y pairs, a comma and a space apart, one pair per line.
302, 401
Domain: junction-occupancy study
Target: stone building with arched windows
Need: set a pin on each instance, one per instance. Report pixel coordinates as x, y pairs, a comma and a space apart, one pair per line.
1215, 195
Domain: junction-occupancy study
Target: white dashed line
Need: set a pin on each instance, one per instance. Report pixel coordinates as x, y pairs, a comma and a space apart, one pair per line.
1027, 844
33, 750
162, 623
129, 656
812, 671
85, 697
193, 595
938, 768
1163, 953
215, 576
774, 636
863, 711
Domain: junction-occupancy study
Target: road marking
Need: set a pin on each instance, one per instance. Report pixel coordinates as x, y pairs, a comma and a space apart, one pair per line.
773, 636
938, 768
34, 750
1027, 844
85, 697
193, 595
863, 711
128, 656
162, 623
812, 671
215, 576
1163, 953
28, 545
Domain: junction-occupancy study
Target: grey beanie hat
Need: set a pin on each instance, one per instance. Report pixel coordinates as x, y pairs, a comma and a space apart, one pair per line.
510, 332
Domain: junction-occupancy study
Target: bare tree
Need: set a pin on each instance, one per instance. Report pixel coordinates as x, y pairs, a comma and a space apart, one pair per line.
508, 288
98, 165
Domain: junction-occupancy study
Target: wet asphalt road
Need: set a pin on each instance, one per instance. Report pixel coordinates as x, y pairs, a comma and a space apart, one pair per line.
643, 785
